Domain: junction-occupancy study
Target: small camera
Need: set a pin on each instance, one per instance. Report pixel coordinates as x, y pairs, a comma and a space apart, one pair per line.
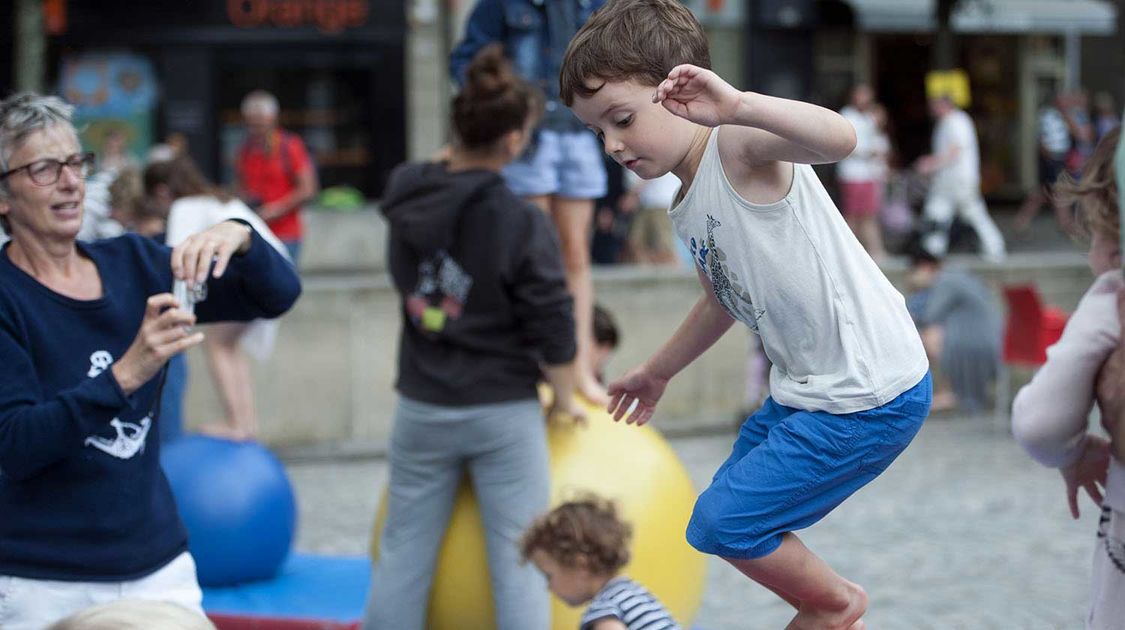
188, 298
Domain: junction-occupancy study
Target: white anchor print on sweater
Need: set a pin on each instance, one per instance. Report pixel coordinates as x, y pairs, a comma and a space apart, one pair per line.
130, 438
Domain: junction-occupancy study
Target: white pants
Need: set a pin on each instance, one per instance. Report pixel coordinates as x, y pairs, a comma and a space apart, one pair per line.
1107, 597
943, 203
27, 604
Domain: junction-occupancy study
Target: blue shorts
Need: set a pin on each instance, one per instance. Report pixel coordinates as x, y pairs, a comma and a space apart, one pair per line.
789, 468
568, 164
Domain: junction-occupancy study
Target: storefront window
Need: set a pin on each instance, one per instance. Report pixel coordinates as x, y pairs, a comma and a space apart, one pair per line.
990, 60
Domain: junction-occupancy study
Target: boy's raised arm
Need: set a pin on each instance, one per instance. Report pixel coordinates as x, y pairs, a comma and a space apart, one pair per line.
773, 129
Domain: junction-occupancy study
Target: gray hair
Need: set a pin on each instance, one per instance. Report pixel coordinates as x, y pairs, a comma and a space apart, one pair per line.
20, 116
260, 101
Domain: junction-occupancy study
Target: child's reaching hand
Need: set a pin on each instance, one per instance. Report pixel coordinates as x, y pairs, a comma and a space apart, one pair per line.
640, 386
698, 95
1088, 471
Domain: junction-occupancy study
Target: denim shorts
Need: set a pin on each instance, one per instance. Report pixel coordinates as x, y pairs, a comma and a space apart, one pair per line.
568, 164
789, 468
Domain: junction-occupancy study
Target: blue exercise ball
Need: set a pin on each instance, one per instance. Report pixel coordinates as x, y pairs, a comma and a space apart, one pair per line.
237, 504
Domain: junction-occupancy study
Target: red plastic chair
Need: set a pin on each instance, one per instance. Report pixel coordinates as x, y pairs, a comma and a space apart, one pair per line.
1032, 327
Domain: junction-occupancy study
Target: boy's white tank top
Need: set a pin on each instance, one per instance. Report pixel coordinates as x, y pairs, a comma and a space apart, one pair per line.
837, 332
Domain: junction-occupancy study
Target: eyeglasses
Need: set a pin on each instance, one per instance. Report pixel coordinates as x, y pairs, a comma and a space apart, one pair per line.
47, 171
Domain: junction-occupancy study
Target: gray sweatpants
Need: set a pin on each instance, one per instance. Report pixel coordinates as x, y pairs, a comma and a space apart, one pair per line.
503, 447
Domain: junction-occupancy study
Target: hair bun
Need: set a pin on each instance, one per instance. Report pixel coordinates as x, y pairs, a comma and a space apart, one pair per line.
490, 74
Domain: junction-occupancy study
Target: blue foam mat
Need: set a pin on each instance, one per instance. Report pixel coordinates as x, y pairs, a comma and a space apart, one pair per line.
332, 588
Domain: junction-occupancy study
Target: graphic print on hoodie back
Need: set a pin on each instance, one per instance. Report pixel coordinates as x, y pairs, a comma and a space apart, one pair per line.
484, 296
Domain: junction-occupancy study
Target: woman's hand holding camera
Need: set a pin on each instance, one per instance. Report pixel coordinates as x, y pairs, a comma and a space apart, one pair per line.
165, 331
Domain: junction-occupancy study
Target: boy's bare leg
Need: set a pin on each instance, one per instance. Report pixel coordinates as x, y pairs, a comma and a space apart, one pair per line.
573, 218
825, 601
230, 370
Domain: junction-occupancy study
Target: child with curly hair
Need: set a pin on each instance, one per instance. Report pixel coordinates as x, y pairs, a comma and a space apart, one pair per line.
581, 547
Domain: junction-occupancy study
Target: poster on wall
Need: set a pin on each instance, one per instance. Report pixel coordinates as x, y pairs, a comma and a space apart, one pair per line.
114, 94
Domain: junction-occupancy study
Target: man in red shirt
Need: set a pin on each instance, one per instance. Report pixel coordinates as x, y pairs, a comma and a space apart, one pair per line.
275, 174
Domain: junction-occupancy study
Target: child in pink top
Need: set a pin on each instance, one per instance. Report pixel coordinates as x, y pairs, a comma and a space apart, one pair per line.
1050, 416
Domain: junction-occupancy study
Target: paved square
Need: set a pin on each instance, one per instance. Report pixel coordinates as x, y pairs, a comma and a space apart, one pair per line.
962, 532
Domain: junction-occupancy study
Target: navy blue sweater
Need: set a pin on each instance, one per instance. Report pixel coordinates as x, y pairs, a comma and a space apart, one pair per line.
82, 494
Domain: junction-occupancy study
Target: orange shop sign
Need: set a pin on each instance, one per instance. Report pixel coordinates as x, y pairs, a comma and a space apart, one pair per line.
330, 16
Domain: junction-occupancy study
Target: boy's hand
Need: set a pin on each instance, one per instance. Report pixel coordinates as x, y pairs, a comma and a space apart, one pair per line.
698, 95
636, 386
1088, 472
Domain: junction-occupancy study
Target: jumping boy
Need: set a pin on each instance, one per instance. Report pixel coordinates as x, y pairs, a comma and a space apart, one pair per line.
850, 383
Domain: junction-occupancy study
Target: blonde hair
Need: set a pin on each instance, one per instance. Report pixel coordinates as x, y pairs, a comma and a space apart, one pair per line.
1094, 195
133, 614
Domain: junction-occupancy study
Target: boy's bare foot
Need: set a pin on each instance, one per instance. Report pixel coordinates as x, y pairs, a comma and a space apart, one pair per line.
943, 401
220, 430
225, 431
846, 618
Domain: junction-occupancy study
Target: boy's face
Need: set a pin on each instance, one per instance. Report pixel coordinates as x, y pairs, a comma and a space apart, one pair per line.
573, 585
638, 134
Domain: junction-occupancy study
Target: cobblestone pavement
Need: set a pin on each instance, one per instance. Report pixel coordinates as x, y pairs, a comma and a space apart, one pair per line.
962, 532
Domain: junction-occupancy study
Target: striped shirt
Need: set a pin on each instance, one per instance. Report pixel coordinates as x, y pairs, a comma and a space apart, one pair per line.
631, 604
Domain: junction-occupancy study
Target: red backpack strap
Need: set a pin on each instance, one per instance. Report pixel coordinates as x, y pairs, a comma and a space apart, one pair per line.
285, 146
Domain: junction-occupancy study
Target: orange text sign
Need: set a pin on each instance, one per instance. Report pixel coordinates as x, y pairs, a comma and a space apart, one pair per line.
330, 16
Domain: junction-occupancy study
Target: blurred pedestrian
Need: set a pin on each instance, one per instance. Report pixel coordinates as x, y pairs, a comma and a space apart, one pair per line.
1054, 145
1075, 109
960, 325
192, 204
275, 174
485, 311
562, 170
1106, 117
862, 174
954, 167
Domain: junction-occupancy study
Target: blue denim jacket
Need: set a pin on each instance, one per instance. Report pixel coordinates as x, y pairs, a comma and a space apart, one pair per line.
532, 40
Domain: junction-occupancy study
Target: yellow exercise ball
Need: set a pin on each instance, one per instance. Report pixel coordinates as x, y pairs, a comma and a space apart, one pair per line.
633, 466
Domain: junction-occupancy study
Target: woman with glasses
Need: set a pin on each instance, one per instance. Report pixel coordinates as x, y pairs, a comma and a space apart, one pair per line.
86, 515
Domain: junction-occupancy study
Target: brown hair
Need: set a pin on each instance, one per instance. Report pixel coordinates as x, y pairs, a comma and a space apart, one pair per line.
586, 528
127, 198
493, 101
1094, 195
639, 40
182, 177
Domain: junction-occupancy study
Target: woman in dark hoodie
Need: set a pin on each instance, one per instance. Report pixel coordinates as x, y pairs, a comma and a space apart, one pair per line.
485, 312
